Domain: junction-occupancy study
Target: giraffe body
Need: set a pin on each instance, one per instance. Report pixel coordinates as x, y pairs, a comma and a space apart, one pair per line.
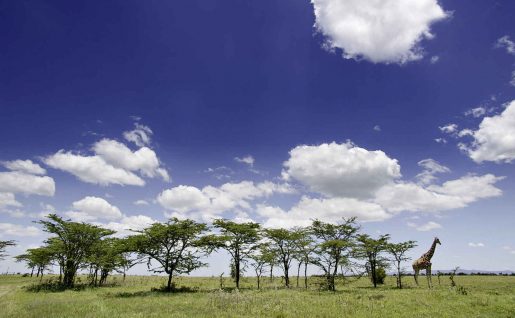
424, 262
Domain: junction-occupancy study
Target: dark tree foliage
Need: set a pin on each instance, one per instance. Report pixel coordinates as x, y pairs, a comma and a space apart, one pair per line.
73, 241
334, 243
177, 246
3, 246
398, 251
239, 240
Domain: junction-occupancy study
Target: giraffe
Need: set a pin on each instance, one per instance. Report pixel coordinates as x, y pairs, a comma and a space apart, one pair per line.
424, 262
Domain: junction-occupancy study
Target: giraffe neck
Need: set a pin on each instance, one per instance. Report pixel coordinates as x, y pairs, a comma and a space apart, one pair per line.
431, 251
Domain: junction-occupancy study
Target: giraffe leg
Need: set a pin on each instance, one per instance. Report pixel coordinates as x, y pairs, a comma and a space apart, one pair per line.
416, 275
428, 274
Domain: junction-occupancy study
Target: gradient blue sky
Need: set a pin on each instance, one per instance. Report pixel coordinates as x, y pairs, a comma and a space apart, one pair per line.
280, 82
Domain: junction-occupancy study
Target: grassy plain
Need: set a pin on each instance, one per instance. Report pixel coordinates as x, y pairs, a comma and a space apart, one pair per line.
487, 296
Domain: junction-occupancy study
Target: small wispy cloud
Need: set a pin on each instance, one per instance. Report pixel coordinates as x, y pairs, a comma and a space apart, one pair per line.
449, 128
506, 43
249, 160
479, 244
140, 202
476, 112
425, 227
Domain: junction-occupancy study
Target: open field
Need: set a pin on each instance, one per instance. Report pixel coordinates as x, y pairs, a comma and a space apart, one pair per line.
487, 296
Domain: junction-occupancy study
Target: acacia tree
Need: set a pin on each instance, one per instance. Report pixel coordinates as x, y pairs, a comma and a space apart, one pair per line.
259, 261
333, 246
74, 242
3, 247
129, 259
240, 240
176, 245
284, 243
56, 248
371, 249
105, 257
304, 250
36, 258
398, 251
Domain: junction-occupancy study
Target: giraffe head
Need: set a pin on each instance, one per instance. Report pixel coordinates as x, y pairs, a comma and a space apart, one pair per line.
437, 241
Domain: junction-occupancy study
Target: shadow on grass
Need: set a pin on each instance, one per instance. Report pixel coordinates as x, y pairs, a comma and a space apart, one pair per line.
52, 286
161, 291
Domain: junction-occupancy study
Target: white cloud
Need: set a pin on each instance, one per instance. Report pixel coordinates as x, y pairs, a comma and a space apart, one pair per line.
210, 201
470, 188
425, 227
249, 160
434, 59
8, 199
450, 195
124, 226
476, 112
505, 42
20, 182
449, 128
328, 210
8, 229
471, 244
465, 132
377, 128
414, 198
220, 173
26, 166
343, 170
512, 81
15, 213
495, 138
119, 155
93, 208
140, 202
92, 169
381, 31
431, 167
141, 135
441, 140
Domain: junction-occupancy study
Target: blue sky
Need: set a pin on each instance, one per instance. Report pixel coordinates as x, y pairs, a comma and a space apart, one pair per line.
399, 112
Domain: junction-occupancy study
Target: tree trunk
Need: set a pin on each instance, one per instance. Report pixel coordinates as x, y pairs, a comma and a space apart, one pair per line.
298, 273
32, 271
258, 276
306, 275
271, 272
333, 278
237, 266
399, 279
169, 285
95, 275
286, 277
69, 274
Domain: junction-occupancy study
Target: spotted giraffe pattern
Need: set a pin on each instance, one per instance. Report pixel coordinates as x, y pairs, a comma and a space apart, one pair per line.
424, 262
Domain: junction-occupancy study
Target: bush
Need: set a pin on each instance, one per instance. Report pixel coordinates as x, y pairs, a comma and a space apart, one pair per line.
380, 276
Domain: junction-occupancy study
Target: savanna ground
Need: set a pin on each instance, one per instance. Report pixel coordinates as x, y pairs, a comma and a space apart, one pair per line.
486, 296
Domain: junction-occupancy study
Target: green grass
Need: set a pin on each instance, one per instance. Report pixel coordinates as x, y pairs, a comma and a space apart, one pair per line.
488, 296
